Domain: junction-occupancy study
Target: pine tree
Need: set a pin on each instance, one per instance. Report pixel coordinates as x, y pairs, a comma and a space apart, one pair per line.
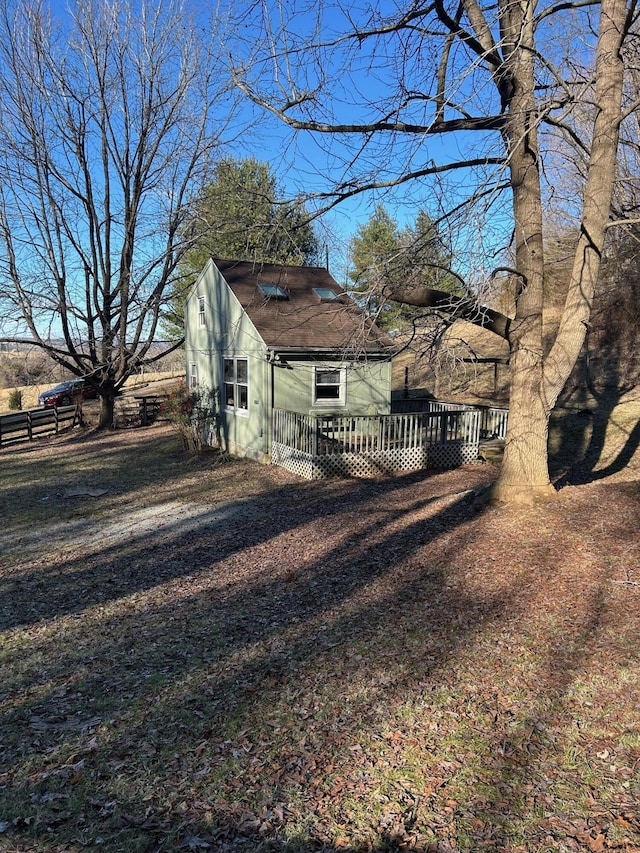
385, 257
241, 215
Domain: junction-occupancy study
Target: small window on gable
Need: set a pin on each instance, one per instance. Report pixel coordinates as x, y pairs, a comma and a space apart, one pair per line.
273, 291
202, 319
325, 294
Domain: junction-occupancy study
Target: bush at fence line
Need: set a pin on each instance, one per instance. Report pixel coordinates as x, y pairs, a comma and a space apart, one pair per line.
15, 400
192, 412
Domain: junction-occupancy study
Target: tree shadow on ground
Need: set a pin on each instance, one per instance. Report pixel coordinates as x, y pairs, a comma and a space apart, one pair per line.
214, 689
122, 557
54, 466
583, 440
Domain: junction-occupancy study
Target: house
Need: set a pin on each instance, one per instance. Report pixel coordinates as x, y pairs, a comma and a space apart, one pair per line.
272, 337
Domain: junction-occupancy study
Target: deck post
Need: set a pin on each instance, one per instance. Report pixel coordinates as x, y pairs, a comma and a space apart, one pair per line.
315, 429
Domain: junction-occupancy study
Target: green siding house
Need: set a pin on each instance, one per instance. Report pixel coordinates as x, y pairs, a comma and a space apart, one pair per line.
272, 337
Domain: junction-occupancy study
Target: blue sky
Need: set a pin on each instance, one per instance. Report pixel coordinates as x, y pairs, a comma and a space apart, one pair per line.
304, 163
301, 161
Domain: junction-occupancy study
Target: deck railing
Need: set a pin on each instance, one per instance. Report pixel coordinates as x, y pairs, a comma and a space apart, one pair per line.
493, 419
325, 435
441, 435
493, 422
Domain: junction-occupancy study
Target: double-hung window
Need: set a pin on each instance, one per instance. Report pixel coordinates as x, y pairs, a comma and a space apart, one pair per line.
193, 375
236, 384
202, 317
329, 386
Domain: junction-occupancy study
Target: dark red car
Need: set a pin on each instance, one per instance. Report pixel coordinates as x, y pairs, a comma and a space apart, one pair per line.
67, 393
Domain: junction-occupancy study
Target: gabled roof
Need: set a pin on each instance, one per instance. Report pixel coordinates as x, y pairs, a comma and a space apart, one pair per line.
289, 314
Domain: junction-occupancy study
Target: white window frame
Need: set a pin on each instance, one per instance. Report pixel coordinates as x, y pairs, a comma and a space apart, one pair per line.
193, 375
202, 313
341, 399
235, 388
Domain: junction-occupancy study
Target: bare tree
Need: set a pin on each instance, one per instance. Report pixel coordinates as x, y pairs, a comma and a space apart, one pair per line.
107, 117
489, 94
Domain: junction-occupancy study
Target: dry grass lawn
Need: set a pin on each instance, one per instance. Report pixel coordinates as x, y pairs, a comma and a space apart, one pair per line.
214, 655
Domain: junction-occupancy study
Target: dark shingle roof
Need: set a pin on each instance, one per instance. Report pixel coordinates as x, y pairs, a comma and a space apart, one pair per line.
303, 320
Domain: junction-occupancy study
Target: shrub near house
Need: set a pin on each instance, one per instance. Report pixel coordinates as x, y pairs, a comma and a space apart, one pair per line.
192, 413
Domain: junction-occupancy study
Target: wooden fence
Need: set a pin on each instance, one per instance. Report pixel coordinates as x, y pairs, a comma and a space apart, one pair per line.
25, 426
30, 424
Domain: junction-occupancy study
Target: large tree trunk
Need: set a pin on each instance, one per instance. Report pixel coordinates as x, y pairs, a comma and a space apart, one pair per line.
597, 200
107, 406
524, 475
536, 383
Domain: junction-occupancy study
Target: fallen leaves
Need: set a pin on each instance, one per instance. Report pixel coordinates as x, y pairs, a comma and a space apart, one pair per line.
364, 666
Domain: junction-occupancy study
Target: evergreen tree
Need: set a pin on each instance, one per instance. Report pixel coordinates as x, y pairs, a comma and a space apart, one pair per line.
384, 257
240, 215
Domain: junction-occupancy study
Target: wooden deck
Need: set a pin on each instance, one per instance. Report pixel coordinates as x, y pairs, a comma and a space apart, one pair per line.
446, 436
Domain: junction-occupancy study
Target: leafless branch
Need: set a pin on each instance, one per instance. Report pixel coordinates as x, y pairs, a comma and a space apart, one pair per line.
104, 132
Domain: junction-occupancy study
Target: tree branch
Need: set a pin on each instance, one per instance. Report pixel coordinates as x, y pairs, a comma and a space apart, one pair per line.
472, 123
460, 308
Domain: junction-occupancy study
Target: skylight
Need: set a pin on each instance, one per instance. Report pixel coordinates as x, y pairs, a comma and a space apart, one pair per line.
273, 291
325, 294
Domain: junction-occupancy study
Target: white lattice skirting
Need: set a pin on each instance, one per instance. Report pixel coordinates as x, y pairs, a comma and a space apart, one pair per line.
372, 463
